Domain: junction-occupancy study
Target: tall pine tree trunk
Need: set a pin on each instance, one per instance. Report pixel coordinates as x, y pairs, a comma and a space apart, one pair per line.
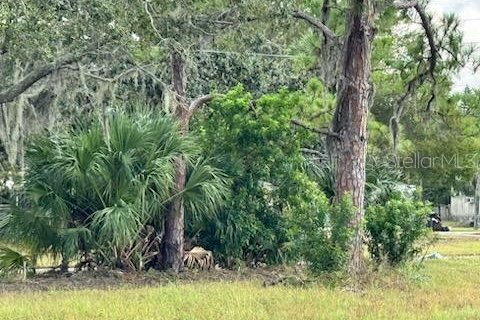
350, 118
173, 238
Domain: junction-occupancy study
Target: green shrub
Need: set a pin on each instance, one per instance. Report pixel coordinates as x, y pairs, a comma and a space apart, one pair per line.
395, 228
275, 211
319, 231
252, 140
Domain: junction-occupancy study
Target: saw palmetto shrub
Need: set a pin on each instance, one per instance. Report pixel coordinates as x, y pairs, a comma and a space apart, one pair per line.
103, 191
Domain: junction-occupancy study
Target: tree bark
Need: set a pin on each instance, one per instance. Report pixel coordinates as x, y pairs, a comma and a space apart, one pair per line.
173, 238
38, 73
350, 119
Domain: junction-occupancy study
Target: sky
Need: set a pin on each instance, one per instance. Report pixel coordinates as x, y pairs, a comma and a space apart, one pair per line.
469, 13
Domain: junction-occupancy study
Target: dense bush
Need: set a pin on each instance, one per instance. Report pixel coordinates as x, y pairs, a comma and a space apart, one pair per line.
319, 230
276, 210
254, 142
395, 228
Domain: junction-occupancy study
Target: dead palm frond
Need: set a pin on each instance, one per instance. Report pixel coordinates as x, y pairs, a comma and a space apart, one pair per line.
198, 258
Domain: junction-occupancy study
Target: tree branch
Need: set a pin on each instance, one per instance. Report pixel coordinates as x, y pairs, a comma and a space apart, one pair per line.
114, 79
405, 5
152, 21
325, 12
324, 17
315, 23
401, 103
35, 75
316, 130
427, 26
313, 152
198, 102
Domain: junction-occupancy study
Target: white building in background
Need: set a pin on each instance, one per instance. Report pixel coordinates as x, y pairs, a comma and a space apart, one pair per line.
461, 209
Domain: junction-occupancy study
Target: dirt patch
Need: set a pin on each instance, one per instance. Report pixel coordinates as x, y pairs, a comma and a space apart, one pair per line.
113, 279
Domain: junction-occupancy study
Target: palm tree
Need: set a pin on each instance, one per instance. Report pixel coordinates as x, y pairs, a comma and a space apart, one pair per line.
85, 194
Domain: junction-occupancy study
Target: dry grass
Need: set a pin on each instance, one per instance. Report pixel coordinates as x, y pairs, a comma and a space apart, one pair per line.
451, 291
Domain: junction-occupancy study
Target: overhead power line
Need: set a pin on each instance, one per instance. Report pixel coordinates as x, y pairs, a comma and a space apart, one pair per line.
272, 55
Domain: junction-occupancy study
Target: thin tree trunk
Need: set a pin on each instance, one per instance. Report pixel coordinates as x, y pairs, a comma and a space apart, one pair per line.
350, 119
172, 242
476, 217
64, 265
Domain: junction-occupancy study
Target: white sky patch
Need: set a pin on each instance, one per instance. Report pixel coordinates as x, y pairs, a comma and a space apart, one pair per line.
468, 12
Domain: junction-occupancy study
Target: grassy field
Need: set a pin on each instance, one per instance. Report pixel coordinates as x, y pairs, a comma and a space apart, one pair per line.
448, 289
458, 247
456, 226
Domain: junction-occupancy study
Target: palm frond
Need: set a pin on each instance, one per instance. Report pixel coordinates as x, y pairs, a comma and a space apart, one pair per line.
84, 195
205, 190
73, 239
12, 260
117, 226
